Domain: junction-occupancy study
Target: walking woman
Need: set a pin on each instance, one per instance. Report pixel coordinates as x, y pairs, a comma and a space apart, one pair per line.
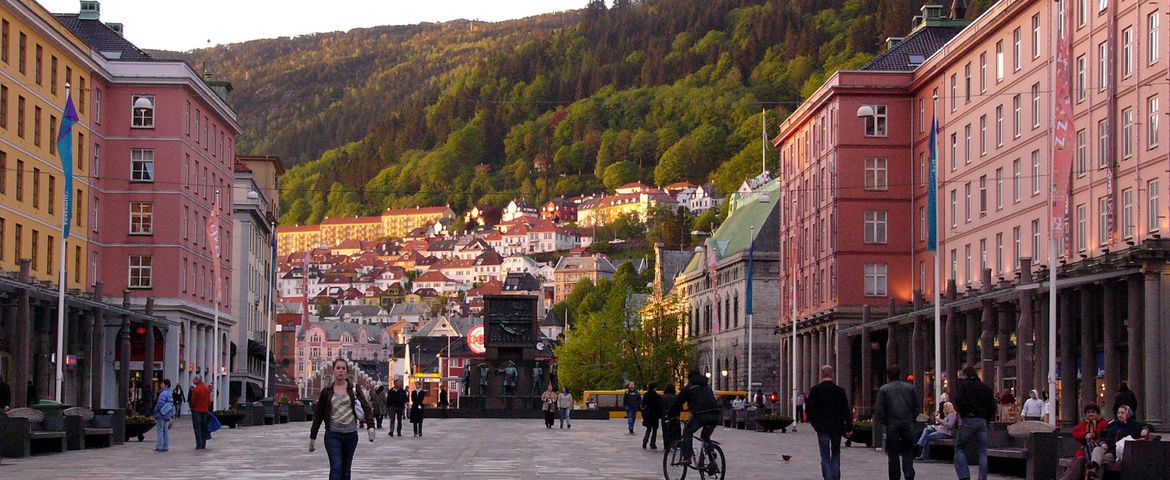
651, 414
548, 401
565, 403
342, 407
177, 395
379, 404
417, 413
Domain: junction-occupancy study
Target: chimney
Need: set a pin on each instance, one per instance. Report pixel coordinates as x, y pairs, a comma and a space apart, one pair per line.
958, 9
90, 10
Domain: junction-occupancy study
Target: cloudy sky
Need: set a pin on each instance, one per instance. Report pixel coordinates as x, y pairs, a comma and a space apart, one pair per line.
189, 24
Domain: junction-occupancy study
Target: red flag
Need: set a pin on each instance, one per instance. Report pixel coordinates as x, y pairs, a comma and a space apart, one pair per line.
1062, 147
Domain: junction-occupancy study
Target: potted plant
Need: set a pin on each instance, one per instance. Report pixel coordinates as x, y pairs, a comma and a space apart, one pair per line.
771, 423
296, 411
137, 426
862, 433
230, 417
282, 409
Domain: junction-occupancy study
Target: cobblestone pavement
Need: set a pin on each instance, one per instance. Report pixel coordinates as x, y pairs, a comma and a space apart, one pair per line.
451, 449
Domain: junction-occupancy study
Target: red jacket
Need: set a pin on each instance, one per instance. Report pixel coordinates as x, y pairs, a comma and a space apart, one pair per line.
200, 398
1083, 428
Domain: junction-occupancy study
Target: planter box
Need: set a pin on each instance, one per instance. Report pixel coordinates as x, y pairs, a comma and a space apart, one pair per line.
281, 414
230, 420
864, 437
768, 424
255, 415
138, 430
296, 412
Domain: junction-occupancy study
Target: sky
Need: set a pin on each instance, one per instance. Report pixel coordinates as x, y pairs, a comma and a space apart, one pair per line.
183, 25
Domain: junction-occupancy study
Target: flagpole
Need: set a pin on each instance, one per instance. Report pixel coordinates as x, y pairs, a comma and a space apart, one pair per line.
65, 150
713, 268
792, 280
751, 323
932, 245
61, 321
215, 330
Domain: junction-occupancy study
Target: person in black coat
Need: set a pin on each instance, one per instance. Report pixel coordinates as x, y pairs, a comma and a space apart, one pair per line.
396, 407
828, 413
976, 406
651, 415
897, 409
1126, 397
5, 395
671, 429
417, 412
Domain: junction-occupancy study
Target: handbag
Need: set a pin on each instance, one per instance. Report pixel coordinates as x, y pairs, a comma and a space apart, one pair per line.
213, 424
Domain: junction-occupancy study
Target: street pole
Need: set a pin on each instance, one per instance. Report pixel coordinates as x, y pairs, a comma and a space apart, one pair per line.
792, 345
751, 325
65, 149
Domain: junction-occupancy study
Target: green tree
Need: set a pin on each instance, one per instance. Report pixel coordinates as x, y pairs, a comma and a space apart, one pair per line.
619, 174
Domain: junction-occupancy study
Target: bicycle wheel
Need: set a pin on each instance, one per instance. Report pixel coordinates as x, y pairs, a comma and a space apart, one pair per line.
670, 467
715, 467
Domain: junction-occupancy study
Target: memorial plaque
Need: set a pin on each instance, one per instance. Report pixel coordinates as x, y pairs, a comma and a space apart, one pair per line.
510, 320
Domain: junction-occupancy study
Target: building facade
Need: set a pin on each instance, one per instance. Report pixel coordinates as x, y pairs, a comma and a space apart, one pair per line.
398, 222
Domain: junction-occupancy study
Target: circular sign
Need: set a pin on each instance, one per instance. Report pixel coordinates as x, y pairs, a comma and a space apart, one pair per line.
475, 340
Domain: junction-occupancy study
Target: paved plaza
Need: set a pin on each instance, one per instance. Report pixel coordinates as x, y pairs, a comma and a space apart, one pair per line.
451, 449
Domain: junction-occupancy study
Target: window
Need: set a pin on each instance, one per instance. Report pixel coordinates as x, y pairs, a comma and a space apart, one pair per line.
1036, 36
81, 95
36, 188
1082, 227
187, 119
1015, 245
52, 133
1082, 64
999, 188
143, 111
1102, 66
1017, 178
1035, 105
3, 172
1127, 52
1127, 213
967, 83
94, 207
1017, 117
954, 208
967, 201
875, 280
1153, 222
97, 106
36, 249
140, 271
20, 181
96, 165
954, 265
875, 125
1152, 132
20, 116
18, 242
1082, 12
1082, 152
39, 65
141, 218
52, 193
922, 224
922, 173
983, 195
1102, 221
875, 227
875, 174
954, 151
954, 92
22, 58
999, 125
1035, 172
967, 143
982, 254
999, 253
1127, 132
967, 263
53, 74
4, 28
1153, 23
999, 60
1036, 239
983, 72
982, 135
37, 125
3, 106
142, 165
1016, 50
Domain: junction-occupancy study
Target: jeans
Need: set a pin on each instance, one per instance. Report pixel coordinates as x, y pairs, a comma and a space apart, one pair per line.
830, 446
163, 442
899, 447
340, 447
565, 418
707, 422
972, 430
631, 415
199, 424
928, 434
395, 416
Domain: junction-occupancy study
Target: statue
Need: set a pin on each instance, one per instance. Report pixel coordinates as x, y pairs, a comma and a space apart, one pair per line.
509, 372
537, 379
465, 381
485, 374
552, 377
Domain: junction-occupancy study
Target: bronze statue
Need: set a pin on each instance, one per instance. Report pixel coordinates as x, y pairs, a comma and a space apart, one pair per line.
465, 381
552, 377
485, 374
509, 372
537, 379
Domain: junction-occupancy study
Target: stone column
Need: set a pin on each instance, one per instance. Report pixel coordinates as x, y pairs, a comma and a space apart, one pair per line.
1088, 390
866, 362
97, 352
785, 384
815, 343
950, 335
124, 359
987, 321
1133, 334
1068, 367
844, 363
1109, 316
21, 345
1026, 341
891, 350
148, 360
1003, 332
971, 320
830, 345
1152, 350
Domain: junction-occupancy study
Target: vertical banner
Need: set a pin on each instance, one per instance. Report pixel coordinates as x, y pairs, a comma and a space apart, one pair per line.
1062, 148
213, 240
65, 150
932, 190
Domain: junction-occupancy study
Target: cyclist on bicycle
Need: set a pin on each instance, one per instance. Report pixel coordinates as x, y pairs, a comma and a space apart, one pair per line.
704, 409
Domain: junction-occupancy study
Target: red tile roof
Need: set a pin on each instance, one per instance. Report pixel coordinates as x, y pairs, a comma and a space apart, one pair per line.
415, 211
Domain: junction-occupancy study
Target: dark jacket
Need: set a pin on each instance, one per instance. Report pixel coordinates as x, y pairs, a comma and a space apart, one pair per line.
443, 397
1117, 430
1125, 397
324, 408
417, 411
396, 398
974, 399
5, 395
698, 397
828, 409
667, 400
651, 408
897, 403
632, 400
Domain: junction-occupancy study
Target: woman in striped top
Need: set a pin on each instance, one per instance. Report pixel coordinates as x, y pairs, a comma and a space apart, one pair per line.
342, 408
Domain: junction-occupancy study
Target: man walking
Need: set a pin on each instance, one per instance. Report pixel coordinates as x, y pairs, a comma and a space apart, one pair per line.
633, 402
396, 403
828, 413
798, 400
897, 407
200, 400
976, 406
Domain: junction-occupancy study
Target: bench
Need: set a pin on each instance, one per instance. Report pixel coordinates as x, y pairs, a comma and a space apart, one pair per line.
96, 430
24, 429
1141, 461
1009, 444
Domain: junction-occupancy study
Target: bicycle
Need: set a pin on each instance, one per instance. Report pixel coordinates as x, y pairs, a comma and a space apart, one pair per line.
709, 462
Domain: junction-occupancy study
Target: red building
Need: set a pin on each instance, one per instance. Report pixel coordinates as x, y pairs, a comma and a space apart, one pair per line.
559, 210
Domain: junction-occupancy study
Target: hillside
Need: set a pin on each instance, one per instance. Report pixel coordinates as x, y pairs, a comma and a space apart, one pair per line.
465, 113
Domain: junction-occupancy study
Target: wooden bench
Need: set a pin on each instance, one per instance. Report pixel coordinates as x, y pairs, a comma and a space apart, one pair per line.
24, 429
1141, 461
1010, 444
96, 430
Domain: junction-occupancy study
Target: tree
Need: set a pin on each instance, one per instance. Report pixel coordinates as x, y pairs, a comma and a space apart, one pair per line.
619, 174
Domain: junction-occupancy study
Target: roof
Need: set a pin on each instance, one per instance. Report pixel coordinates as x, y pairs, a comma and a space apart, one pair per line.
589, 264
521, 282
758, 209
408, 309
670, 264
352, 220
102, 39
297, 228
358, 311
432, 276
912, 51
334, 329
416, 211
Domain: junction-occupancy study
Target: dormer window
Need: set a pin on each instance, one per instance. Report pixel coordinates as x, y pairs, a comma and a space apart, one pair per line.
143, 111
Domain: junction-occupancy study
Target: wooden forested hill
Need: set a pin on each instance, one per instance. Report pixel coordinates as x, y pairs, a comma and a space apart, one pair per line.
465, 113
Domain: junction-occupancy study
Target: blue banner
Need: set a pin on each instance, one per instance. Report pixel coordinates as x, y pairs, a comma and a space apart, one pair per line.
748, 294
932, 190
65, 150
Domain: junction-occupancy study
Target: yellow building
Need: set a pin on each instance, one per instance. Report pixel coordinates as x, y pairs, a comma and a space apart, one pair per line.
607, 209
397, 222
39, 59
334, 231
297, 238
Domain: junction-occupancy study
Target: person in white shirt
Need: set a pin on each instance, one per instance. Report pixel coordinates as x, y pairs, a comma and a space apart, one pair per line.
738, 403
1033, 407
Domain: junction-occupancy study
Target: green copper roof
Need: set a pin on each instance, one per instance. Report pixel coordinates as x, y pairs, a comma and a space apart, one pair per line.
735, 235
